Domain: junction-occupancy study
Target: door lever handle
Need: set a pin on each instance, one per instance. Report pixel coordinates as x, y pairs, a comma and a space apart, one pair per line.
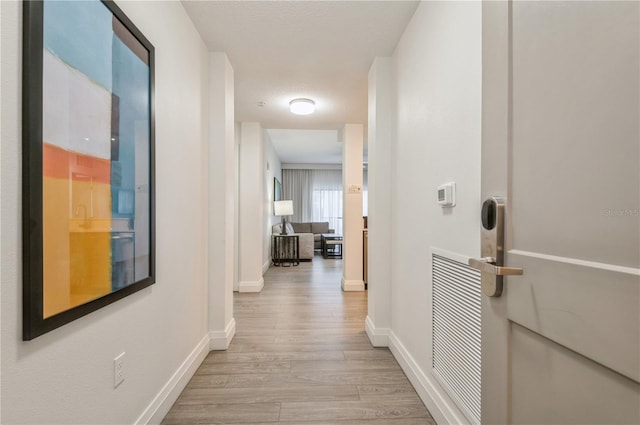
488, 265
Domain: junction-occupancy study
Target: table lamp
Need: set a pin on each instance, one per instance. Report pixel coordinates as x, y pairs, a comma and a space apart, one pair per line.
283, 209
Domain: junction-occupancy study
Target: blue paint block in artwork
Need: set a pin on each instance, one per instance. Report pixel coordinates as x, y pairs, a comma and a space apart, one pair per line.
80, 33
122, 260
131, 86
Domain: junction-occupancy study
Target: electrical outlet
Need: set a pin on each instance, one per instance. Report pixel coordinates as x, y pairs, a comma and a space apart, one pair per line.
118, 370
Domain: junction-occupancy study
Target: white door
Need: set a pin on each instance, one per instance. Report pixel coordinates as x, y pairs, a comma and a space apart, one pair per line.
561, 144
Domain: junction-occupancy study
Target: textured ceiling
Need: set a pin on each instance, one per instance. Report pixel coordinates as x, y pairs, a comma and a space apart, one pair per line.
281, 50
307, 146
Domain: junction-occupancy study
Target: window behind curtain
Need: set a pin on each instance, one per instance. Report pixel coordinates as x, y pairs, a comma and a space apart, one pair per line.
316, 195
327, 206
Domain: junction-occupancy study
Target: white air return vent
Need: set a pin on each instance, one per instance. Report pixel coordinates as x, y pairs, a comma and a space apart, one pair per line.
456, 332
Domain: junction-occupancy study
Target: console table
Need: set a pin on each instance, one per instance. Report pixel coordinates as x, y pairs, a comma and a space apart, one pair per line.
284, 250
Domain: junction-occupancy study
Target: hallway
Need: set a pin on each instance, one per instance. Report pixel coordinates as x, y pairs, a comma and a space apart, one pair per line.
300, 356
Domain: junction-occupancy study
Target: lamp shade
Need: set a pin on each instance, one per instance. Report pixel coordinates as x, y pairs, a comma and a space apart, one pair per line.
283, 208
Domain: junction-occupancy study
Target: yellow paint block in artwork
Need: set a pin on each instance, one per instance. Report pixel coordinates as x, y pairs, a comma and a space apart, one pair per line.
90, 266
56, 258
90, 247
77, 242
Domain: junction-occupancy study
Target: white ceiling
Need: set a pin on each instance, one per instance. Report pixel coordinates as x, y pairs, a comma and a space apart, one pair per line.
307, 146
281, 50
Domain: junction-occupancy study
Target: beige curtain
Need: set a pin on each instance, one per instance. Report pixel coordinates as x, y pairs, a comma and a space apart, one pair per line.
316, 195
297, 187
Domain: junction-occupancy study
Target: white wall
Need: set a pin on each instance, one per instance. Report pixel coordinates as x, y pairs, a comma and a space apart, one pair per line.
352, 143
380, 172
437, 80
251, 204
236, 204
66, 376
222, 215
272, 168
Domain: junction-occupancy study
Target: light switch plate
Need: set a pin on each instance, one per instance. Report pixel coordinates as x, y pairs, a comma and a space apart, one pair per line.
355, 188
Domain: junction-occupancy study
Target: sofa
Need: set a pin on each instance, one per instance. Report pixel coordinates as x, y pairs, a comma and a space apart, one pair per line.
308, 236
317, 228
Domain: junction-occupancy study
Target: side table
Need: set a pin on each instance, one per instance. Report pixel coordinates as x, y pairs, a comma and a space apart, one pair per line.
284, 250
331, 245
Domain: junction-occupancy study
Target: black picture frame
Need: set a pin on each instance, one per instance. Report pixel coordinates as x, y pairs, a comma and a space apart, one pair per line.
34, 322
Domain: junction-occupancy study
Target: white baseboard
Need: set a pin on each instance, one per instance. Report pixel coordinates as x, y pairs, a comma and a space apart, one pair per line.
251, 286
379, 337
161, 404
220, 340
352, 285
441, 407
266, 266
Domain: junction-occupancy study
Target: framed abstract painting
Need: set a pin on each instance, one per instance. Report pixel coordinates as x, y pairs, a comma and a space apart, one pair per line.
88, 193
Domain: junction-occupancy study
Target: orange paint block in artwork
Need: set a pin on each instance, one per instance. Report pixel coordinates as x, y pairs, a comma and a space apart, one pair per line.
63, 164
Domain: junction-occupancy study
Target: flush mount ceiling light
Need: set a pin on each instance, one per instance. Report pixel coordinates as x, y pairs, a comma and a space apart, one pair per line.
302, 106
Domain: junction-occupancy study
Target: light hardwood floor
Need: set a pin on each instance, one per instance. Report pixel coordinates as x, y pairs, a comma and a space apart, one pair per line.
300, 356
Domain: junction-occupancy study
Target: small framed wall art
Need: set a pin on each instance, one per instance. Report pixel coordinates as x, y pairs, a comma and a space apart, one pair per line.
277, 189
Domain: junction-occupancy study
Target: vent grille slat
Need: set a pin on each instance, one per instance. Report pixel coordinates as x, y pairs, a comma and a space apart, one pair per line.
453, 325
464, 341
456, 311
461, 297
465, 394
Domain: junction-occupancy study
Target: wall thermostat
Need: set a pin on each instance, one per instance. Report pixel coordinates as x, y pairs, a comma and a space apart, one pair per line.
447, 195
